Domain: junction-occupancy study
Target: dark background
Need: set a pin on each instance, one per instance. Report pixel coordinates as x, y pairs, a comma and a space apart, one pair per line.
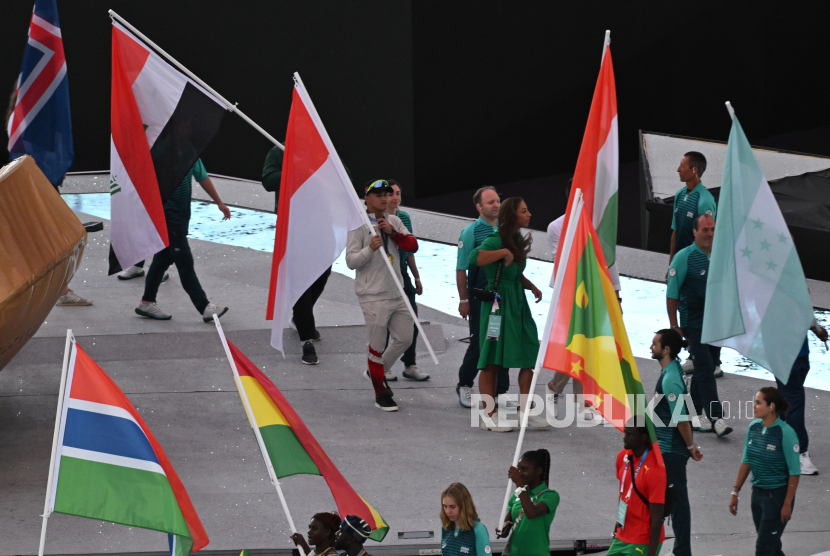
448, 96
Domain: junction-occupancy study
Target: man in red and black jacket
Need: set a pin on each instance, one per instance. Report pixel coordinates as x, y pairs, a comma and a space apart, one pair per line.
384, 308
639, 529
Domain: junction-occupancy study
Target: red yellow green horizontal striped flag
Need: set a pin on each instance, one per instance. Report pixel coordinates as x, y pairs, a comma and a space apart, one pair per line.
292, 448
588, 339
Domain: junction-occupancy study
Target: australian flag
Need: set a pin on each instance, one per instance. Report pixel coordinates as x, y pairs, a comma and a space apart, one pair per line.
41, 125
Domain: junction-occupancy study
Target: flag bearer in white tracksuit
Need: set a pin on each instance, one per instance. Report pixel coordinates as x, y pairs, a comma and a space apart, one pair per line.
383, 306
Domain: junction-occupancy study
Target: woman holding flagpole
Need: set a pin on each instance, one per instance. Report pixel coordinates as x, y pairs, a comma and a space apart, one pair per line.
508, 337
321, 530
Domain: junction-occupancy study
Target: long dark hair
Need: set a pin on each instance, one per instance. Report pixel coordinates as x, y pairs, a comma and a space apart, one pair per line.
539, 458
509, 228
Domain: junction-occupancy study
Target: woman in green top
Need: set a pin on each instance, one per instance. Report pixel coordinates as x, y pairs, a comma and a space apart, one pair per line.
321, 530
771, 452
532, 507
518, 341
461, 531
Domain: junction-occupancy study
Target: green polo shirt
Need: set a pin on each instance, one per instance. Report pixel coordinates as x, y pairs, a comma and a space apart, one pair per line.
772, 453
688, 205
177, 207
531, 537
673, 388
471, 237
688, 273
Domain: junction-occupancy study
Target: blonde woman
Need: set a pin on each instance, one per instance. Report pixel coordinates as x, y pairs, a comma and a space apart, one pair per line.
462, 533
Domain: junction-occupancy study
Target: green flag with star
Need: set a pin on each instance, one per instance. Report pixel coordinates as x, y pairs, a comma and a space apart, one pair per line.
756, 295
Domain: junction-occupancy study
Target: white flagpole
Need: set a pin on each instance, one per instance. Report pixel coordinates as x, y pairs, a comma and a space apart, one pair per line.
605, 45
730, 109
46, 513
576, 207
271, 473
361, 208
228, 105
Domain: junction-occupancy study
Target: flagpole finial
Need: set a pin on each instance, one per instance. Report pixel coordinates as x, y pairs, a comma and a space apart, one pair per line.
730, 109
605, 44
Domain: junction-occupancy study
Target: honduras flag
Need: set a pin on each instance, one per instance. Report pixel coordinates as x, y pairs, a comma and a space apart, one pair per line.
756, 294
109, 466
41, 125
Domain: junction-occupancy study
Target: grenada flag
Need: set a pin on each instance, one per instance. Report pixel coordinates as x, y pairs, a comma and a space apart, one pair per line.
109, 466
588, 339
598, 165
292, 448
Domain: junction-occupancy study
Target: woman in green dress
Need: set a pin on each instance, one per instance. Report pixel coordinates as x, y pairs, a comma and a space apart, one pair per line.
518, 341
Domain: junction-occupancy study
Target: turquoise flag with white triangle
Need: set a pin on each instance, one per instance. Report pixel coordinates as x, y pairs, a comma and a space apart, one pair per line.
756, 295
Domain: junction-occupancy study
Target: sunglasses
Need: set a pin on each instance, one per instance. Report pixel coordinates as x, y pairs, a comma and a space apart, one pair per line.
377, 184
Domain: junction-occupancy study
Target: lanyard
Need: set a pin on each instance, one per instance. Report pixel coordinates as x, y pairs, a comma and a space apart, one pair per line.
625, 471
383, 236
533, 500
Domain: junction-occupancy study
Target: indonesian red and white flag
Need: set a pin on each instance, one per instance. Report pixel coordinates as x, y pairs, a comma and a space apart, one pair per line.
597, 169
318, 207
161, 122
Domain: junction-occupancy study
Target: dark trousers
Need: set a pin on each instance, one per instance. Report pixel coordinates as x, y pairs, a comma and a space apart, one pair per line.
704, 388
469, 367
304, 307
179, 253
766, 513
681, 515
793, 392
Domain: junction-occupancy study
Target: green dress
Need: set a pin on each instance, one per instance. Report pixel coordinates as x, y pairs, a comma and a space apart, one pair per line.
518, 343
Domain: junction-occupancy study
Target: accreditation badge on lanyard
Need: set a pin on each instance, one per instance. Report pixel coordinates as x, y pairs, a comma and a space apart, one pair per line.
383, 237
623, 507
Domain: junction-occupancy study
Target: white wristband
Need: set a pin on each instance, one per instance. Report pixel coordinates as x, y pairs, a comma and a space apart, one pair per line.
464, 301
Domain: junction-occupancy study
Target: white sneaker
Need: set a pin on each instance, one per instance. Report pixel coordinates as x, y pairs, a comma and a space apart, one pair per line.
414, 373
130, 273
718, 372
807, 467
701, 423
591, 414
688, 365
72, 299
552, 400
721, 429
389, 376
534, 421
465, 396
495, 428
152, 311
212, 309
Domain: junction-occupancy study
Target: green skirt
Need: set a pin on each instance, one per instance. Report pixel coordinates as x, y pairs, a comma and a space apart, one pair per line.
518, 343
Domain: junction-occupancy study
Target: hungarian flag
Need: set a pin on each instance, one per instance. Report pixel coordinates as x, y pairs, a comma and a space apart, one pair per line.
161, 122
317, 209
597, 168
109, 466
588, 339
291, 447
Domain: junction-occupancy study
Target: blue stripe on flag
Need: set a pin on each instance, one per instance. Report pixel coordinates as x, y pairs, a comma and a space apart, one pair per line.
107, 434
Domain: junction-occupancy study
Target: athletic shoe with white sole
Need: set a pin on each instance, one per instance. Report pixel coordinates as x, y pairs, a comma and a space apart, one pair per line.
701, 423
72, 299
389, 375
130, 273
152, 311
591, 414
718, 372
309, 353
414, 373
688, 365
465, 396
807, 467
212, 309
534, 421
495, 428
385, 402
721, 428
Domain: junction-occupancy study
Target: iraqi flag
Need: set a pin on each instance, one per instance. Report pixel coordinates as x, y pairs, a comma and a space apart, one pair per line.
598, 165
109, 466
318, 207
161, 122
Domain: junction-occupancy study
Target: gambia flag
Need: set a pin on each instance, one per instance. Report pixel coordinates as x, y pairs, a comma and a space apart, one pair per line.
587, 339
598, 165
290, 445
109, 466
